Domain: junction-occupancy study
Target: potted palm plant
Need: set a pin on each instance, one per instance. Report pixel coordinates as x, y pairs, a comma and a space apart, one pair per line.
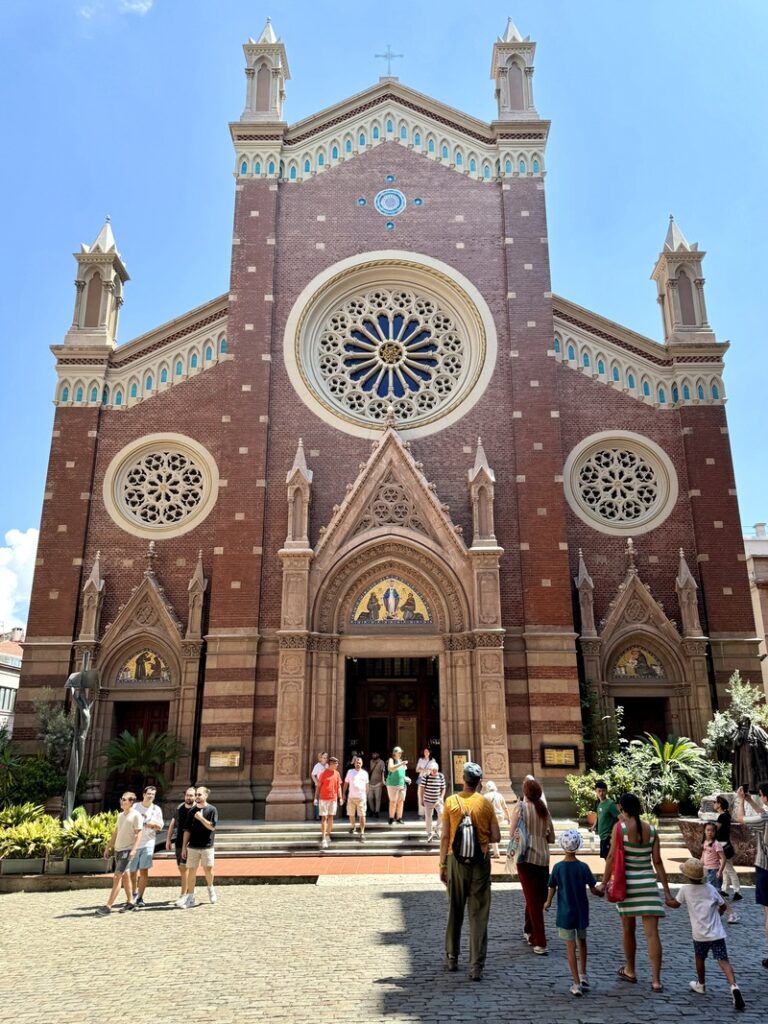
83, 839
143, 759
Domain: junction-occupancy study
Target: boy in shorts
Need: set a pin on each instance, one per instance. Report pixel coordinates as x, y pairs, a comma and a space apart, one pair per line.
197, 847
571, 879
328, 794
705, 906
125, 842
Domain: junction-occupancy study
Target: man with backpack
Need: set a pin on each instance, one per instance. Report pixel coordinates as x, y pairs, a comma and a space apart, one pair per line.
469, 827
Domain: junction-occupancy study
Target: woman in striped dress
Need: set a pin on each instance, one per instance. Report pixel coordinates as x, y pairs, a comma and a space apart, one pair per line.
642, 859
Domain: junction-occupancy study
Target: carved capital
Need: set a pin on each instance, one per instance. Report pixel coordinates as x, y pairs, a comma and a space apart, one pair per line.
591, 647
458, 642
324, 644
191, 649
489, 639
695, 648
293, 641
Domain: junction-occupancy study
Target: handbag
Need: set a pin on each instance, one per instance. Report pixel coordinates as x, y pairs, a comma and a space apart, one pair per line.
616, 890
518, 845
728, 850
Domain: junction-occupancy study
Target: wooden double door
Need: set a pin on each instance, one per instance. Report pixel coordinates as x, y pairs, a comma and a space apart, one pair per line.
393, 702
151, 716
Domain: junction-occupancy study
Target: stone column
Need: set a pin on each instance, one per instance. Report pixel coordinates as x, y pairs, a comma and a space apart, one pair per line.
491, 709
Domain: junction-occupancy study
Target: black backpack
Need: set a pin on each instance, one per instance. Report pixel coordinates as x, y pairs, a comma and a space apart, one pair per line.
466, 845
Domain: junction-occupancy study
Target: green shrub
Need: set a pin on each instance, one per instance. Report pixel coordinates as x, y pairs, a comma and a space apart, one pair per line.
37, 780
30, 839
15, 814
86, 837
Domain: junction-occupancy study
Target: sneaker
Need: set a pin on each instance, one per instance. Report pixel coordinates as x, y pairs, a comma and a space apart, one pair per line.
136, 896
212, 897
400, 821
736, 897
696, 986
527, 937
737, 997
191, 902
391, 820
540, 950
139, 901
576, 990
452, 963
181, 901
104, 911
325, 843
732, 918
584, 981
362, 837
352, 831
126, 907
430, 836
476, 974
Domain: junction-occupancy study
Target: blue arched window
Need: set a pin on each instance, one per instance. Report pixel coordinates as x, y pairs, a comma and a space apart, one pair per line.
163, 376
118, 398
361, 139
716, 392
521, 167
615, 374
105, 396
686, 393
585, 359
600, 366
321, 159
557, 345
243, 167
662, 397
416, 139
390, 127
335, 153
536, 167
65, 395
631, 381
348, 146
271, 167
179, 371
94, 394
79, 395
257, 168
507, 166
473, 165
700, 393
208, 354
486, 172
148, 383
134, 391
403, 132
571, 353
675, 393
431, 146
292, 173
223, 345
193, 361
444, 153
646, 389
375, 132
307, 166
459, 159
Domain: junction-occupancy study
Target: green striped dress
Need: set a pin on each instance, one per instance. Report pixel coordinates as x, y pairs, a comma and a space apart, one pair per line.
643, 897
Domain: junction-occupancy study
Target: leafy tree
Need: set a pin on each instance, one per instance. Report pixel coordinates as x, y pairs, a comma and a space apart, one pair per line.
143, 758
55, 727
747, 707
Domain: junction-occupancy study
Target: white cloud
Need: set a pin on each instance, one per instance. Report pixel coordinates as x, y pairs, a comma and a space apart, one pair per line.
136, 6
17, 566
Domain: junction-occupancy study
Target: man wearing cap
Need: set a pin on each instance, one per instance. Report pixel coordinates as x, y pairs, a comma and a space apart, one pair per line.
468, 883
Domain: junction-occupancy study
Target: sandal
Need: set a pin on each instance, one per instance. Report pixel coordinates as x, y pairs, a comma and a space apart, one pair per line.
657, 987
631, 978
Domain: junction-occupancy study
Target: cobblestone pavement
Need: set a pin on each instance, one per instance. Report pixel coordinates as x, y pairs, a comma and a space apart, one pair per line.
344, 950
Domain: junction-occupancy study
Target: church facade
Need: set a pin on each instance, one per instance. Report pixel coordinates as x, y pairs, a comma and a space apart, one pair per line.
391, 488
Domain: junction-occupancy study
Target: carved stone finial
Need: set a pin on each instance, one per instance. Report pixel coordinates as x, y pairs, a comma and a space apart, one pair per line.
629, 552
196, 589
389, 419
687, 599
300, 464
150, 557
586, 589
481, 463
92, 601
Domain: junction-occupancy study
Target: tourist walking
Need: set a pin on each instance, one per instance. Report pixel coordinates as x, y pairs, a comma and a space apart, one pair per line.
761, 854
152, 822
434, 794
643, 865
377, 769
356, 795
198, 847
705, 905
607, 814
500, 809
176, 829
396, 769
422, 767
320, 766
124, 840
731, 883
329, 796
712, 856
533, 865
570, 879
468, 884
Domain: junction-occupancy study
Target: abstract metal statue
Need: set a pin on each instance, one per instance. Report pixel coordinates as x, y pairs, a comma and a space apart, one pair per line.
79, 683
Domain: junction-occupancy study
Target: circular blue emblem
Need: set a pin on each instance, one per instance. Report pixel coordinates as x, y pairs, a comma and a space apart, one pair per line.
389, 202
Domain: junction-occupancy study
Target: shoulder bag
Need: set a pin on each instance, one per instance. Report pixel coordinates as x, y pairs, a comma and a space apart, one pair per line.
616, 890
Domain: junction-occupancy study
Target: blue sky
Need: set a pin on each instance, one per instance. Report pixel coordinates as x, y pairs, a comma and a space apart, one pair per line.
121, 107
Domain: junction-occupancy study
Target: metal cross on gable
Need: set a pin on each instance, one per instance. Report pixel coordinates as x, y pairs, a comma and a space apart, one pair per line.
389, 57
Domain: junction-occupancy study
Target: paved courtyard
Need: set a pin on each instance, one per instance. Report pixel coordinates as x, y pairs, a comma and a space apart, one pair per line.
358, 949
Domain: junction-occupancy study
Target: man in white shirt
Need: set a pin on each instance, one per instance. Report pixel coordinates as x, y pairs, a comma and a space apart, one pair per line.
356, 795
152, 823
317, 771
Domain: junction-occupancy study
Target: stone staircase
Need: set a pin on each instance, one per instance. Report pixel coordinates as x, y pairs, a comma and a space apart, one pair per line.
302, 839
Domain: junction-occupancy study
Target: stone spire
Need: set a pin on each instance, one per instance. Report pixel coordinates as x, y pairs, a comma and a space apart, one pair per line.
267, 33
300, 464
586, 591
510, 33
675, 239
92, 601
687, 599
481, 463
680, 284
299, 485
101, 275
266, 72
196, 590
105, 240
481, 493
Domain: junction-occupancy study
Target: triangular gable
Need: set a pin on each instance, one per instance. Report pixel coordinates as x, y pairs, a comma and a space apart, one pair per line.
416, 505
634, 609
148, 612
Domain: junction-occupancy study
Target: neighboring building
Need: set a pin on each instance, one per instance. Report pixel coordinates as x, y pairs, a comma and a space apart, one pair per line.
756, 547
272, 526
10, 670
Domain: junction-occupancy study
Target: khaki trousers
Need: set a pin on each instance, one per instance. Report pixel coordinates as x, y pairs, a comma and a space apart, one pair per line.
468, 885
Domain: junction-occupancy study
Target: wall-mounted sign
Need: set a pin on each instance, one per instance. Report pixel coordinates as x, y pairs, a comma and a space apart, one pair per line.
224, 758
458, 759
559, 755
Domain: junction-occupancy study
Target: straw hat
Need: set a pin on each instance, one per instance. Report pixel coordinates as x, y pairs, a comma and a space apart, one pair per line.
693, 869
